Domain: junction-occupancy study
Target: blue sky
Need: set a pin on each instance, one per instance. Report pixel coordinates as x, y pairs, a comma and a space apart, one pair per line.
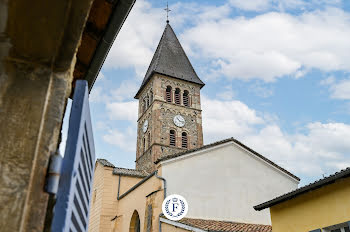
276, 74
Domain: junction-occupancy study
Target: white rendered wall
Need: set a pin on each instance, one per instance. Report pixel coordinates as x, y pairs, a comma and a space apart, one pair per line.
225, 183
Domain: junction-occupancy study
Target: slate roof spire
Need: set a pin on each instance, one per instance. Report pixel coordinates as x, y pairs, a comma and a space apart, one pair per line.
171, 60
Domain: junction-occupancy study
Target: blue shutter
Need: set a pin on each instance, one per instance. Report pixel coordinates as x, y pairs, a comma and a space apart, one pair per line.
71, 211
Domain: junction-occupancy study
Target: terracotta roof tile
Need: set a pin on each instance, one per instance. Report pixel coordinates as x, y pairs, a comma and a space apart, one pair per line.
129, 172
225, 226
105, 163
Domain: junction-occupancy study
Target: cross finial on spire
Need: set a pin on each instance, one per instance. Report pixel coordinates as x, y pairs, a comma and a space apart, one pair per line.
167, 12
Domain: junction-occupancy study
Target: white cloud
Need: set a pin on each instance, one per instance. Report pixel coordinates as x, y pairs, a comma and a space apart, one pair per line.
328, 81
341, 90
318, 149
123, 139
122, 110
274, 44
97, 94
226, 94
126, 90
222, 119
261, 90
267, 47
251, 5
338, 89
136, 42
263, 5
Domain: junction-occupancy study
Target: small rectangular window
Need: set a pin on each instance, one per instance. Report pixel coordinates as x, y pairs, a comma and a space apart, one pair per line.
172, 138
184, 140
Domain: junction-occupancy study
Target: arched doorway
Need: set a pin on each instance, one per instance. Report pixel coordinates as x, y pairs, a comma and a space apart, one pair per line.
135, 222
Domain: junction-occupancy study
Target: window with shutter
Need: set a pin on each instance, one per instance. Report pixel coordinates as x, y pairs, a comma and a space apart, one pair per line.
177, 96
184, 140
185, 98
144, 144
172, 138
168, 94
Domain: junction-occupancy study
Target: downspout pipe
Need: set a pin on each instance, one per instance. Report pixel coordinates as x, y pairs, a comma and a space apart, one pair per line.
164, 182
118, 186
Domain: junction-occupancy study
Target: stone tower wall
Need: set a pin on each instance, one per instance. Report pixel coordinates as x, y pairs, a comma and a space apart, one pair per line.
160, 116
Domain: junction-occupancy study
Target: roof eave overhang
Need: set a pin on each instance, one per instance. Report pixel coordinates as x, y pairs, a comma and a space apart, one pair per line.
302, 190
117, 19
181, 225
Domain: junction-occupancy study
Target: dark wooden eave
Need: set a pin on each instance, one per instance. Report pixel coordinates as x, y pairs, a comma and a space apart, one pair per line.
103, 25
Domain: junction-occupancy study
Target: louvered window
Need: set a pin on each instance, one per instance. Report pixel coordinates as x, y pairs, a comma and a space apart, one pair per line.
185, 98
147, 102
168, 94
177, 96
144, 144
172, 138
184, 140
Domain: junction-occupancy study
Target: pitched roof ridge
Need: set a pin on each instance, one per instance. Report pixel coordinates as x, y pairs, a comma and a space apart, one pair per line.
160, 45
184, 52
154, 58
306, 188
129, 172
222, 142
105, 162
130, 169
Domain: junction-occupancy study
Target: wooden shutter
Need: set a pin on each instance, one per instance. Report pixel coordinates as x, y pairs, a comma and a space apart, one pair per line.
172, 138
184, 140
71, 212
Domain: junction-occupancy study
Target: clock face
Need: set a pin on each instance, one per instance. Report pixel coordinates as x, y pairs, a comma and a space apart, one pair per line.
179, 121
145, 126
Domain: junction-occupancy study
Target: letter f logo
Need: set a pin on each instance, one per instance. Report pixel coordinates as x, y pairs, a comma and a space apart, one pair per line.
175, 206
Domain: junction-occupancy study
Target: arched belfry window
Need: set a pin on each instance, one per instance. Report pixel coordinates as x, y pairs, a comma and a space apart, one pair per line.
185, 98
172, 138
177, 96
168, 97
135, 222
184, 140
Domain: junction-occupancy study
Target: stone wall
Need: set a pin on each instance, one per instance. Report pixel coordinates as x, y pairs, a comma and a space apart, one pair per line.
38, 44
160, 115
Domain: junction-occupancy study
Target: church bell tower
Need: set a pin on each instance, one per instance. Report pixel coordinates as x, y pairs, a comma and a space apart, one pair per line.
169, 114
